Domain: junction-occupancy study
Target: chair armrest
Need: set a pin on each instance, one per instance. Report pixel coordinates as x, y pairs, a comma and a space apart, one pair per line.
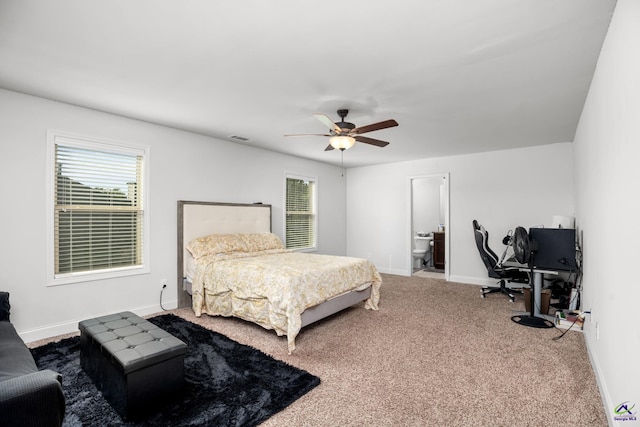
34, 399
508, 268
513, 274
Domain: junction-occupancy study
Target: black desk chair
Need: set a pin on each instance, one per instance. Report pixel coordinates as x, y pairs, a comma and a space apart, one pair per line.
490, 259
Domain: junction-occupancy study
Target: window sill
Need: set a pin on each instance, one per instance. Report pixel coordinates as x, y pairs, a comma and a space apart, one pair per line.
67, 279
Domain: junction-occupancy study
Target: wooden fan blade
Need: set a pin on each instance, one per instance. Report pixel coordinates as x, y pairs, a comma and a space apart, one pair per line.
375, 126
308, 134
371, 141
329, 148
327, 122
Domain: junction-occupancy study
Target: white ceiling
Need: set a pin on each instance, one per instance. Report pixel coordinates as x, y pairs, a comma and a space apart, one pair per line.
459, 76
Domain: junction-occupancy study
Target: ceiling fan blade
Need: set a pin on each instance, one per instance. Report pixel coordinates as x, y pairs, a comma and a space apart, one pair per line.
308, 134
375, 126
329, 148
371, 141
327, 122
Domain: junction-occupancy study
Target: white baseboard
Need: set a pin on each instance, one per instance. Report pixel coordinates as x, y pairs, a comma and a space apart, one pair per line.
394, 271
485, 281
473, 280
71, 326
602, 384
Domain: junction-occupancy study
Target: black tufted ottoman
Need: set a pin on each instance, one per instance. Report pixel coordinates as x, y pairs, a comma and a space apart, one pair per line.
135, 364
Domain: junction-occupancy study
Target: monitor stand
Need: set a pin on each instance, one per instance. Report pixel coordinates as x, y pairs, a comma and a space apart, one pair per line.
532, 320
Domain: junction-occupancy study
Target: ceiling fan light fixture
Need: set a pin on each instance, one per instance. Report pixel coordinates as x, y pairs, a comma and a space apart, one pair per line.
341, 142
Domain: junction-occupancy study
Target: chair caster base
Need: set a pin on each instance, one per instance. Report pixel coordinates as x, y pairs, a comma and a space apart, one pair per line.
509, 292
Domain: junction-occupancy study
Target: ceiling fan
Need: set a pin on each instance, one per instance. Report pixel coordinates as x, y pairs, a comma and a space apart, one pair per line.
344, 134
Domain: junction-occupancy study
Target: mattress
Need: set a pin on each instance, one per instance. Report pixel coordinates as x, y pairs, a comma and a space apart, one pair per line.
273, 289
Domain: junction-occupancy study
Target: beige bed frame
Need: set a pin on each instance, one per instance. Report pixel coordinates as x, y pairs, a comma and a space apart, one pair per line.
196, 219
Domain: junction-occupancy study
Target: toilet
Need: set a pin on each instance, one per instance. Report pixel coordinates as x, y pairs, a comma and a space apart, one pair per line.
422, 245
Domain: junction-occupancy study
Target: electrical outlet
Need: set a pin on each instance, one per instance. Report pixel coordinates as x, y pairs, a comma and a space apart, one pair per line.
163, 283
597, 331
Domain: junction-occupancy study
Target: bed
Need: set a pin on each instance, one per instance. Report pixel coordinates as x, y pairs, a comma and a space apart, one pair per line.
231, 264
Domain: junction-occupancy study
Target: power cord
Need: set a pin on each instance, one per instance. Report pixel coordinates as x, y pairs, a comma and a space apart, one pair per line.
581, 316
161, 291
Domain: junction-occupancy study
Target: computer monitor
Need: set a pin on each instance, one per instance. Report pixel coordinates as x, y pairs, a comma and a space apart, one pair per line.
556, 248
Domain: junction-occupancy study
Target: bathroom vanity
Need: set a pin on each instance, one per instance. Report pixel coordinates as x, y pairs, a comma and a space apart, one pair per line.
438, 249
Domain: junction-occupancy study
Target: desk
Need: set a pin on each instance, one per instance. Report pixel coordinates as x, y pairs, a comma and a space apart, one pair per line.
536, 286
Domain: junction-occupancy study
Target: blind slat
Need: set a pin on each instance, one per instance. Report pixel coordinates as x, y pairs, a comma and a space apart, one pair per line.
98, 214
300, 223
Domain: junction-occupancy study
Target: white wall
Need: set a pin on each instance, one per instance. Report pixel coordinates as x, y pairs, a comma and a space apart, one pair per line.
501, 189
183, 166
426, 204
607, 150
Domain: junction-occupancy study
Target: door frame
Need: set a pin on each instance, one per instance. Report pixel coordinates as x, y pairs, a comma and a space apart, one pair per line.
447, 235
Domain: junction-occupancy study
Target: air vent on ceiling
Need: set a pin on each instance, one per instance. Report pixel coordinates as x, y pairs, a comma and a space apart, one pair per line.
238, 138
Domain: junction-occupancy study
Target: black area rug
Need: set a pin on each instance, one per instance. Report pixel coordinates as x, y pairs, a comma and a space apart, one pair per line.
226, 383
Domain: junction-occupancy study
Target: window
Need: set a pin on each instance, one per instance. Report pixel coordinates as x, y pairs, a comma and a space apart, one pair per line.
97, 193
300, 218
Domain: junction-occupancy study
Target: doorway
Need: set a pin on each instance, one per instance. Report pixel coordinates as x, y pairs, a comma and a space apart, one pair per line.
429, 225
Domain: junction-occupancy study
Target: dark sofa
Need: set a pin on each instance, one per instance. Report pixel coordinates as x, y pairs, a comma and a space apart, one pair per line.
28, 397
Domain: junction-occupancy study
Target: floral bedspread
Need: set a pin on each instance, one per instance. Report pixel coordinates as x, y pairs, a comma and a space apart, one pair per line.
273, 287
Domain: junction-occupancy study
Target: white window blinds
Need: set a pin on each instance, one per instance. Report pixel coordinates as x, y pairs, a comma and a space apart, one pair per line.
98, 210
300, 224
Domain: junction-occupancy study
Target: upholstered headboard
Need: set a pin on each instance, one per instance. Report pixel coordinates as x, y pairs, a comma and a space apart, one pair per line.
197, 219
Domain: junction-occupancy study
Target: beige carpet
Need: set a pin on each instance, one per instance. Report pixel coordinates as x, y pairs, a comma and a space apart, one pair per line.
435, 354
429, 274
